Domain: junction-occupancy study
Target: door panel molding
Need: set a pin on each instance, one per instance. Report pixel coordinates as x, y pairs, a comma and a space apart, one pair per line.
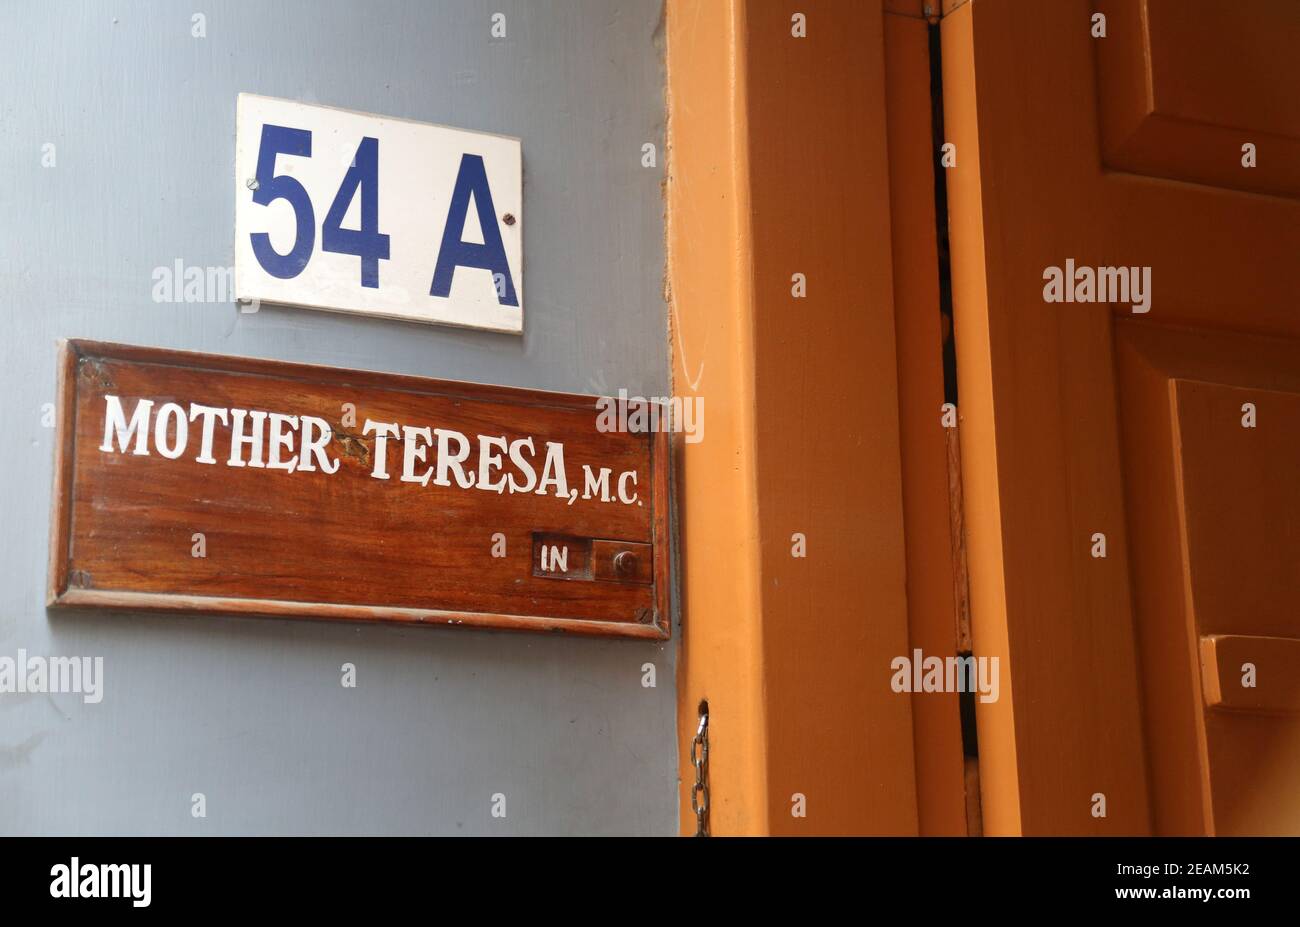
1183, 86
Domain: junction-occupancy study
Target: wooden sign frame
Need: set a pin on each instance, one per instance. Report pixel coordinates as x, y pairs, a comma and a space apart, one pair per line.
103, 512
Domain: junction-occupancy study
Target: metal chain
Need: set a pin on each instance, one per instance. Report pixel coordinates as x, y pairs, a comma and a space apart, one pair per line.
700, 760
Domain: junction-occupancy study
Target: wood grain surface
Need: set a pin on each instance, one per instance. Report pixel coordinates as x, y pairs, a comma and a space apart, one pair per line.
348, 544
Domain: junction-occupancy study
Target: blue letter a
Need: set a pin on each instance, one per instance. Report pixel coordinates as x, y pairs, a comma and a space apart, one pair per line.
491, 255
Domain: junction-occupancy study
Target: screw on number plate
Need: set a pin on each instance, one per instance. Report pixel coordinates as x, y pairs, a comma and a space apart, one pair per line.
508, 218
251, 183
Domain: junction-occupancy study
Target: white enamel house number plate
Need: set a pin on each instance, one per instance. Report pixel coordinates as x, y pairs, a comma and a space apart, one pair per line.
354, 212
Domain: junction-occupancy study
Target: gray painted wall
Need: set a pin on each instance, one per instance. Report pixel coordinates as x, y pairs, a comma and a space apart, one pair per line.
251, 712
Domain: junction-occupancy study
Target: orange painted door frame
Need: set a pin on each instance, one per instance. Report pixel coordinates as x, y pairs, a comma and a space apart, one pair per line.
1124, 492
815, 514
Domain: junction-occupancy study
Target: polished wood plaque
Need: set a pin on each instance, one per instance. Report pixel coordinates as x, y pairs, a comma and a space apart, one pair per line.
200, 483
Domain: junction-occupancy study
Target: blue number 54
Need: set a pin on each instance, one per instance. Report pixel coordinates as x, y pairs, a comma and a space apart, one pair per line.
367, 242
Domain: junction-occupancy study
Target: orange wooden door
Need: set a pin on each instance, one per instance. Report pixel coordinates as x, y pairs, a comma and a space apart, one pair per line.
1173, 432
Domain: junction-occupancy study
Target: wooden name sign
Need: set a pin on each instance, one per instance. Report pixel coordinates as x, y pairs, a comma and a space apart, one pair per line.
198, 483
